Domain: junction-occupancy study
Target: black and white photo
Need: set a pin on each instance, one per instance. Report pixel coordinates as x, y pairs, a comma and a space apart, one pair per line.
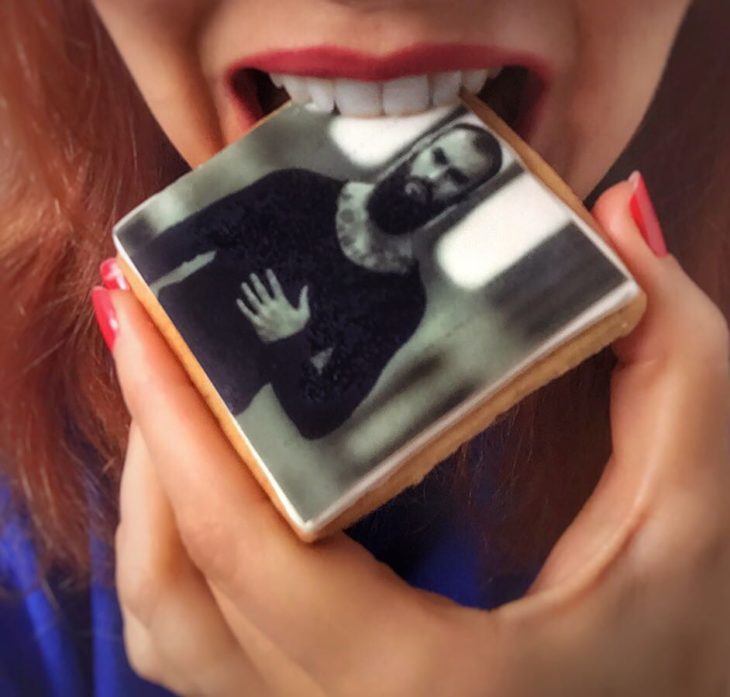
348, 293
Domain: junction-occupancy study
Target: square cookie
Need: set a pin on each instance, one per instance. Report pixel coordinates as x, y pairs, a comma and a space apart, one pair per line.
355, 298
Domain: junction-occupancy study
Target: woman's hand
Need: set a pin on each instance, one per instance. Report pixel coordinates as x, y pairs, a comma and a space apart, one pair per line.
271, 314
220, 598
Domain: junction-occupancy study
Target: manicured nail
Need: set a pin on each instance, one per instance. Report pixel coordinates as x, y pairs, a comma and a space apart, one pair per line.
112, 276
106, 315
644, 215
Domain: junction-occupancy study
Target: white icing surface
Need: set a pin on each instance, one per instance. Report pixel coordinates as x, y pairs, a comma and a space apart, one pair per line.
496, 234
280, 493
487, 241
383, 135
618, 298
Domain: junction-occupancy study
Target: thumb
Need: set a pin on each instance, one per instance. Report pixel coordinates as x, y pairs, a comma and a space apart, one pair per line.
676, 357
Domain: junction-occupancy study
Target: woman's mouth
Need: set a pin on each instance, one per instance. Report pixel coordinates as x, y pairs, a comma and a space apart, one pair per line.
406, 82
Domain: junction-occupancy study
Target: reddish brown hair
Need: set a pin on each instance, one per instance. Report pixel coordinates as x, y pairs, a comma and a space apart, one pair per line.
79, 149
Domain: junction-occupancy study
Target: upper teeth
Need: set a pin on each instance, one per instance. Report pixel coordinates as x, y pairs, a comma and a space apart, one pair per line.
406, 95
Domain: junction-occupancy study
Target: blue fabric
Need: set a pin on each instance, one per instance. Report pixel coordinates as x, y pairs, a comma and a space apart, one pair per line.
57, 643
437, 543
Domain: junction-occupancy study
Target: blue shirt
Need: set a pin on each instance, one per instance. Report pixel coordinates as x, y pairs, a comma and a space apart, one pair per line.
60, 643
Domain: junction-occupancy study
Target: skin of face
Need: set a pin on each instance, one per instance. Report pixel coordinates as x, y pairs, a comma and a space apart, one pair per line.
440, 173
603, 59
451, 165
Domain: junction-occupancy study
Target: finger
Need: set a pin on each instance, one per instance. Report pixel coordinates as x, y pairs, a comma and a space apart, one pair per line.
145, 659
251, 297
669, 409
304, 599
282, 676
142, 652
252, 317
304, 299
274, 283
159, 587
260, 288
677, 358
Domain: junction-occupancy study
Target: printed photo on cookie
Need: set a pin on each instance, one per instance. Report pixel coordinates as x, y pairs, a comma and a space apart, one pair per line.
349, 286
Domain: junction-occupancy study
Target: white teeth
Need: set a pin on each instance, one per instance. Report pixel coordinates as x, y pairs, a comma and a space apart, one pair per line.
356, 98
474, 80
322, 92
407, 95
445, 88
297, 88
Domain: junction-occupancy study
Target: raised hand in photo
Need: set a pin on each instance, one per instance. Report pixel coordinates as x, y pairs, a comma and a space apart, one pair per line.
271, 314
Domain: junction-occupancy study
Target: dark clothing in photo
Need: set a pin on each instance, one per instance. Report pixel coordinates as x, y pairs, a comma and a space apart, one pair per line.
359, 318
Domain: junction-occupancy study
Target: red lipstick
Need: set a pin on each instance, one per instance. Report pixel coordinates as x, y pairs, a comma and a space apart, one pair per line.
336, 62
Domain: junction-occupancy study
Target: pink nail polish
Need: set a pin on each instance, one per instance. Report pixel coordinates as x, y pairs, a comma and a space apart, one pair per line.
644, 215
106, 315
111, 275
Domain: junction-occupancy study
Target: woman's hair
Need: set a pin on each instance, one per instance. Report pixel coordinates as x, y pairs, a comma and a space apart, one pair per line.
78, 149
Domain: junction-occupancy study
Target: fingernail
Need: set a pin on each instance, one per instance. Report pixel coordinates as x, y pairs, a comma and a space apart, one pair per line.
644, 215
106, 315
111, 275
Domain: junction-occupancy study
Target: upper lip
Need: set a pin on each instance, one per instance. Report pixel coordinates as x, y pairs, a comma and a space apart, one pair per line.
337, 62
